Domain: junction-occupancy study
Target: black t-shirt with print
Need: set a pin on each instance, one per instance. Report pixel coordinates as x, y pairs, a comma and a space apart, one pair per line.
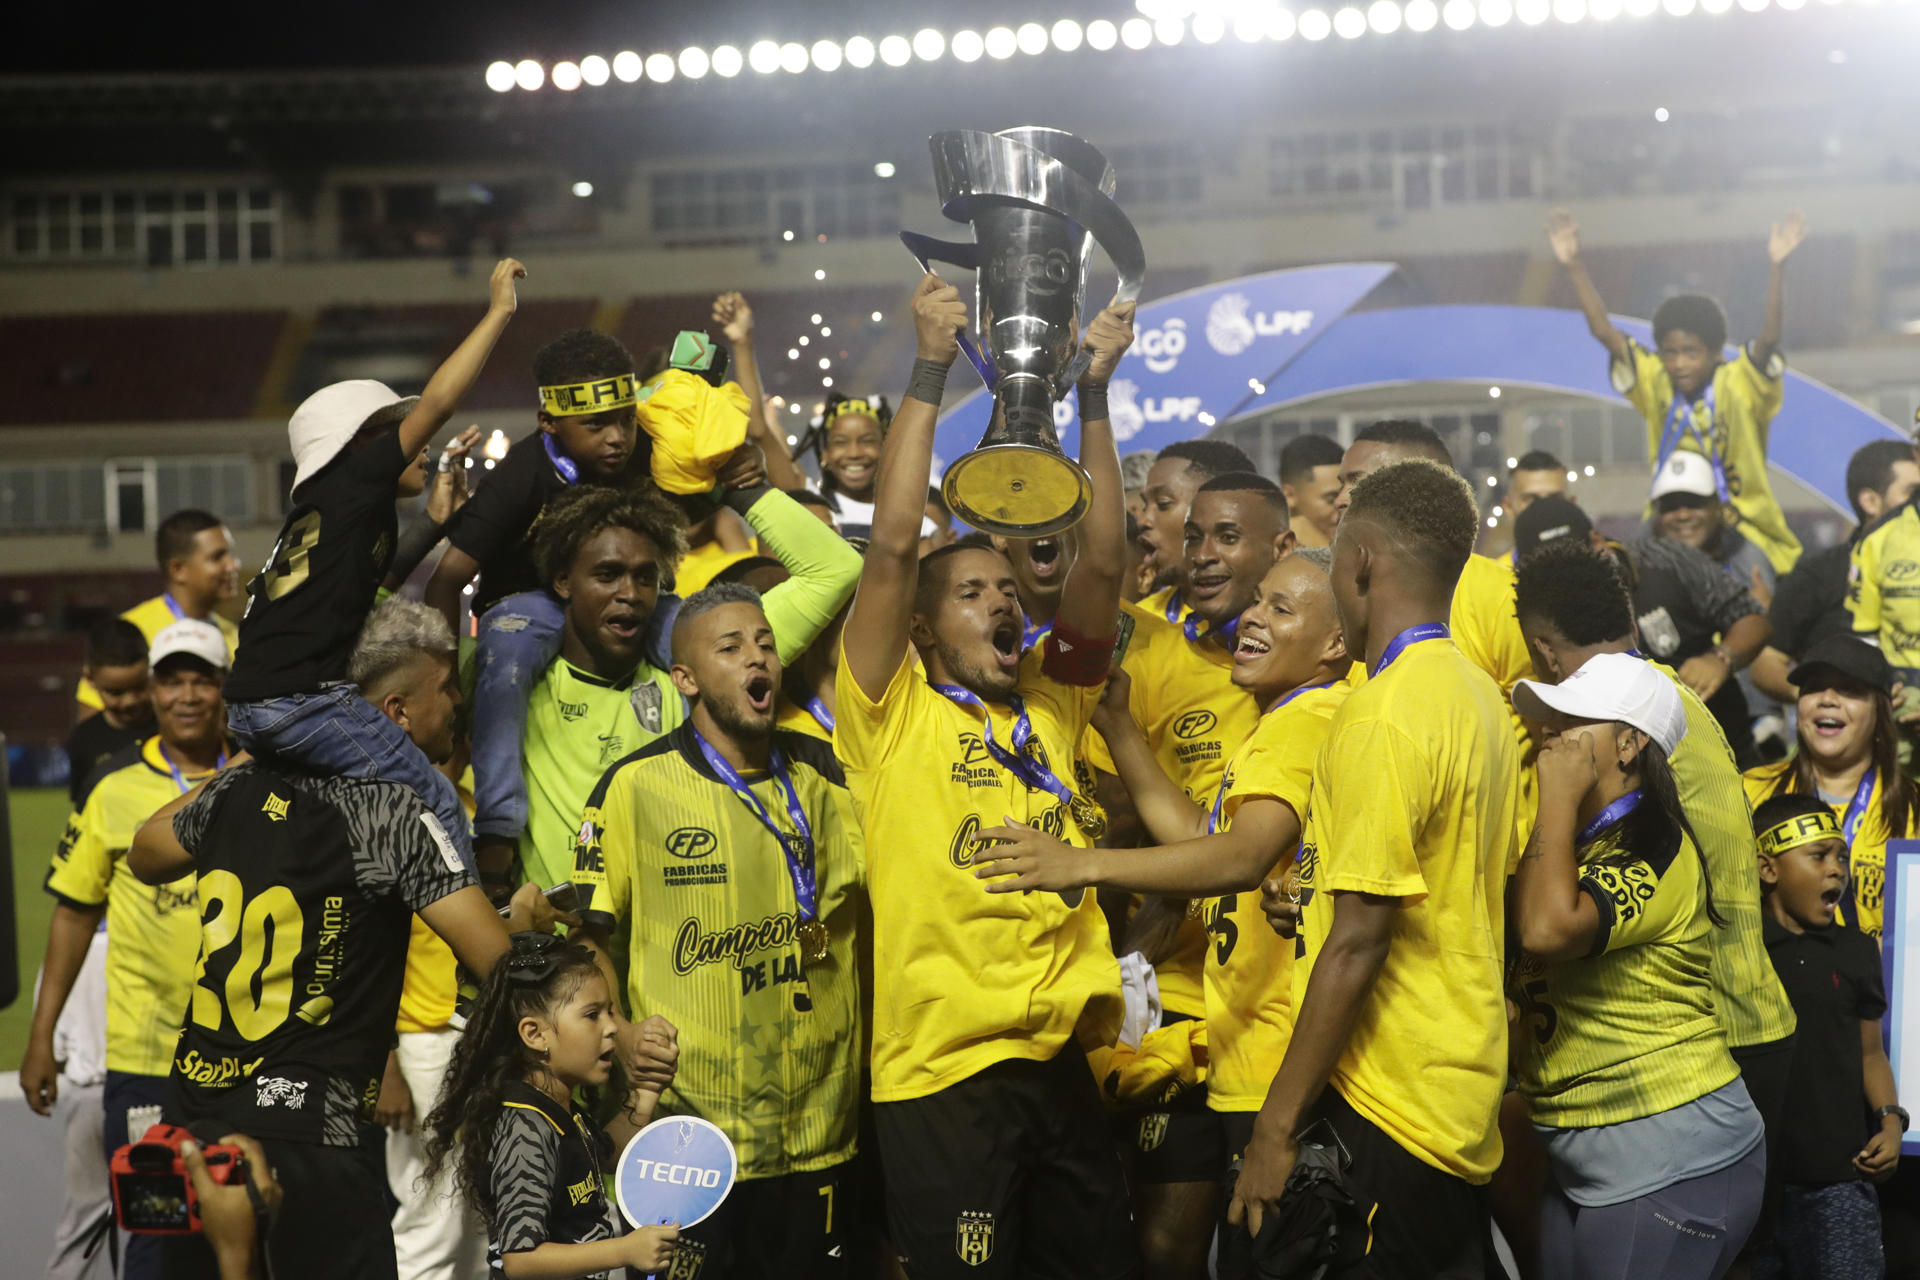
547, 1164
495, 525
1833, 980
93, 742
307, 888
306, 605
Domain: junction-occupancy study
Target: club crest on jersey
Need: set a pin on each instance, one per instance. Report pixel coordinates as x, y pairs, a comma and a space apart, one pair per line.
973, 1237
1194, 723
689, 1258
1153, 1130
691, 842
275, 808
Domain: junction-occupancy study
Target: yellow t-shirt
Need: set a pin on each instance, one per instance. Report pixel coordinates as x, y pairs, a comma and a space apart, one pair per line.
964, 978
1629, 1030
1416, 797
1165, 604
1249, 967
153, 932
151, 616
1883, 590
703, 564
1863, 904
432, 980
1752, 1004
797, 718
1745, 398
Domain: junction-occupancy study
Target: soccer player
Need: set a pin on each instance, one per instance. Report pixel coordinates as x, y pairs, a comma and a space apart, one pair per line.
1288, 653
1535, 474
1310, 480
152, 933
1880, 593
726, 861
1178, 472
1399, 1021
1693, 399
117, 671
994, 1147
196, 558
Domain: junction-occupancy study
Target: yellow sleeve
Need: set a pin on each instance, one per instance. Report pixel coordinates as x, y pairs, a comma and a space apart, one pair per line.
867, 733
1643, 380
1760, 387
1281, 770
1863, 585
1637, 903
603, 854
82, 863
1487, 631
1379, 781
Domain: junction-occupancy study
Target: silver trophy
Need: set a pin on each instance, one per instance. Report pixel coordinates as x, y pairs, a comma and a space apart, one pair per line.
1038, 200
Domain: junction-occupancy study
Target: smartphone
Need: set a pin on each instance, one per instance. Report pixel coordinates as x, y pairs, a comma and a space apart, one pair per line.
564, 896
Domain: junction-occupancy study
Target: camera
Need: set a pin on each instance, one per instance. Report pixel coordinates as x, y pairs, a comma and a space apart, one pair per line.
151, 1190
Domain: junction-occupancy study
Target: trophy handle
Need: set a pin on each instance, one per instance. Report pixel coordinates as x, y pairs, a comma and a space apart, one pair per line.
926, 251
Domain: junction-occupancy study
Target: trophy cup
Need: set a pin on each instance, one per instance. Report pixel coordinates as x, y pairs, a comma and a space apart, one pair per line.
1038, 200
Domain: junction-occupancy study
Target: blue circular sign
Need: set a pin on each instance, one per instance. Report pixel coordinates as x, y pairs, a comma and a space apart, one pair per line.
676, 1170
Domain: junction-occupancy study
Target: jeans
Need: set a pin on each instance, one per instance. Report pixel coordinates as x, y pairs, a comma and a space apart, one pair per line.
1825, 1233
519, 636
130, 1105
336, 731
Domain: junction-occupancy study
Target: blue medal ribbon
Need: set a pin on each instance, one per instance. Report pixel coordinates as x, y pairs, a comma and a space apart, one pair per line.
1850, 827
1220, 796
1194, 622
821, 716
173, 606
1028, 770
569, 470
1613, 813
1033, 634
1411, 636
179, 778
1173, 605
798, 847
1680, 421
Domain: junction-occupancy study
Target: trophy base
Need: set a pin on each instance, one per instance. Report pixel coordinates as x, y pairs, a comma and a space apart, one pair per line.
1017, 490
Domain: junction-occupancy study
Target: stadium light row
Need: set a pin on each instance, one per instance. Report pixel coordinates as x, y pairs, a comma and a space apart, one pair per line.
1248, 23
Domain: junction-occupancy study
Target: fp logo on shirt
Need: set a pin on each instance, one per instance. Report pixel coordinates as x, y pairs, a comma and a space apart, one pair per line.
691, 842
1194, 723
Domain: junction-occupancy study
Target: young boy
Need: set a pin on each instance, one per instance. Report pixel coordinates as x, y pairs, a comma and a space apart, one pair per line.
359, 448
1691, 398
116, 670
1827, 1222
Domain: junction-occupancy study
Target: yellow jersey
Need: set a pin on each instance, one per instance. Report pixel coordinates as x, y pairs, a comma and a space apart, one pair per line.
965, 978
1249, 967
1629, 1030
1165, 604
1883, 587
153, 932
153, 616
1416, 797
1864, 904
798, 719
701, 565
1736, 414
431, 982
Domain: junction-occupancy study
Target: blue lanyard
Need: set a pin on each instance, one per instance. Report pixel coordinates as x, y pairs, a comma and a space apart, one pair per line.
1029, 771
1173, 605
568, 469
1619, 809
180, 779
1220, 796
1680, 421
173, 606
1411, 636
798, 847
818, 710
1850, 827
1194, 622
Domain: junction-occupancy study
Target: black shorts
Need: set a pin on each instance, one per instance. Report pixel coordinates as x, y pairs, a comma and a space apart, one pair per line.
773, 1228
1008, 1173
1180, 1142
1426, 1225
334, 1218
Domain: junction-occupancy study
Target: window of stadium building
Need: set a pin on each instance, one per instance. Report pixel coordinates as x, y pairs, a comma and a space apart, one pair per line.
123, 495
1589, 435
1412, 167
188, 226
738, 206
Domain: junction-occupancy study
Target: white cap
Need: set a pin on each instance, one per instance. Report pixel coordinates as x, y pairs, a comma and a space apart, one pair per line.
1685, 472
1611, 686
191, 636
327, 419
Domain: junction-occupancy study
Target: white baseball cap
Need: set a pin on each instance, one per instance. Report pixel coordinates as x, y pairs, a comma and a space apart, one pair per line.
1611, 686
1685, 472
191, 636
327, 419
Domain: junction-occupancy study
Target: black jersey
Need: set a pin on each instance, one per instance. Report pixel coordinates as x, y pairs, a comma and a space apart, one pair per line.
547, 1182
307, 888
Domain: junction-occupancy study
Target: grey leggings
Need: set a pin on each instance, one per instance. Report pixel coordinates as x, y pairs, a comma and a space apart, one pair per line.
1691, 1230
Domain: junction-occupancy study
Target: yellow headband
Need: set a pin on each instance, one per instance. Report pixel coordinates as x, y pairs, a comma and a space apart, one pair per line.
588, 397
1808, 828
846, 407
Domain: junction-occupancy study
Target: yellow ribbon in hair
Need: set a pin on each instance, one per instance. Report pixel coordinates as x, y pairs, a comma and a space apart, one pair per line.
588, 397
695, 426
1808, 828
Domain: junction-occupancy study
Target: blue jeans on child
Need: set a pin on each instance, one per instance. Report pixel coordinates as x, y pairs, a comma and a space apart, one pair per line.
519, 636
336, 731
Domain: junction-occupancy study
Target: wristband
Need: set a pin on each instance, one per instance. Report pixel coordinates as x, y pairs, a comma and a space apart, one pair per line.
929, 381
1093, 403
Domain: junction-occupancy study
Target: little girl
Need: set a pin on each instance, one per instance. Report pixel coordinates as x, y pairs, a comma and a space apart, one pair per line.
543, 1026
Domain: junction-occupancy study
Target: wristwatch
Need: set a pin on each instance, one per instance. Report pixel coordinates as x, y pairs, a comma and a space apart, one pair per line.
1894, 1109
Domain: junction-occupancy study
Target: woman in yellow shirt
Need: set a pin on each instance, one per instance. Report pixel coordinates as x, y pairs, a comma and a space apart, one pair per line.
1849, 757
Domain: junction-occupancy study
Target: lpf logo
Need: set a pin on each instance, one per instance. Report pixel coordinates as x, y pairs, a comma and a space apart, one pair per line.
1232, 326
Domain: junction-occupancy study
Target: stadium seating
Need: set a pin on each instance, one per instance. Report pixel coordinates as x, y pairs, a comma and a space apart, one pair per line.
134, 368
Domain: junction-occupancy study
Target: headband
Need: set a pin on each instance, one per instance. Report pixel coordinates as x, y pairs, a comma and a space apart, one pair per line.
1808, 828
588, 397
845, 407
530, 959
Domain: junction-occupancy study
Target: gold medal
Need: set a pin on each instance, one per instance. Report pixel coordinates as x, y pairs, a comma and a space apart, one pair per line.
1088, 817
813, 941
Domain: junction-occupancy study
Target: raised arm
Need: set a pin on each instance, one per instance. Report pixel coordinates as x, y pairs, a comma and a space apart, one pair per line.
1785, 239
1090, 600
1555, 920
735, 318
876, 634
1162, 806
824, 566
1564, 235
452, 380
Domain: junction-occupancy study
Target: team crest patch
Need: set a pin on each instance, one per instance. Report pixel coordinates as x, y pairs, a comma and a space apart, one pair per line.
973, 1237
1153, 1130
275, 808
689, 1258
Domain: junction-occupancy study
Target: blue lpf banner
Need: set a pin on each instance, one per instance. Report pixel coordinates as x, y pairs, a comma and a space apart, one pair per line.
1196, 357
1900, 949
677, 1170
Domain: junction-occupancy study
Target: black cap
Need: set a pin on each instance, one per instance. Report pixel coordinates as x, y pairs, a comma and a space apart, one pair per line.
1851, 657
1547, 520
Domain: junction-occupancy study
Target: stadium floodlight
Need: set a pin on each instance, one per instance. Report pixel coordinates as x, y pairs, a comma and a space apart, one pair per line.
805, 340
860, 53
815, 318
1422, 15
1315, 25
826, 382
793, 353
895, 51
1661, 115
793, 57
877, 317
1678, 8
1032, 37
566, 76
1792, 4
1533, 12
1350, 24
1281, 24
594, 70
928, 44
1716, 6
694, 63
1753, 6
787, 235
1136, 33
500, 76
659, 68
1603, 10
826, 331
967, 46
884, 169
1001, 42
826, 55
819, 273
1384, 17
1250, 26
1066, 35
1496, 13
1209, 28
727, 61
1459, 15
583, 189
1641, 8
1570, 11
1102, 35
627, 66
825, 363
764, 57
528, 74
1169, 30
